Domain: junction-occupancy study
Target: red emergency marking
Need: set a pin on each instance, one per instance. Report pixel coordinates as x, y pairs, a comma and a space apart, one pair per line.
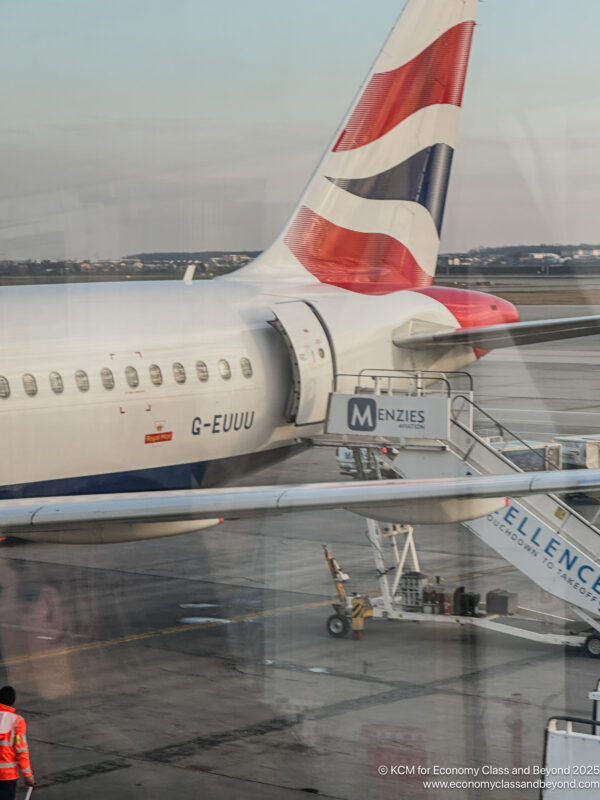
163, 436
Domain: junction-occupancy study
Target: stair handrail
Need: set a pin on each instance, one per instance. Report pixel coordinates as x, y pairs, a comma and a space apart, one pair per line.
572, 512
545, 460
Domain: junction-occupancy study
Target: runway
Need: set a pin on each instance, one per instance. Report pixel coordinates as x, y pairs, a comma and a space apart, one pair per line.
200, 666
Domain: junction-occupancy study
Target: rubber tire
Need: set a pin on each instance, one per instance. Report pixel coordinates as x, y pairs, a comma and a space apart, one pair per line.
337, 626
592, 645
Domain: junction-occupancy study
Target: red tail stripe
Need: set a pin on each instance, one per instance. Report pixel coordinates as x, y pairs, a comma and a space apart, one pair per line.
437, 75
368, 263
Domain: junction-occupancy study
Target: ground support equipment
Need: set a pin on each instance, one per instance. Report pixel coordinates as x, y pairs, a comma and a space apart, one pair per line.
378, 414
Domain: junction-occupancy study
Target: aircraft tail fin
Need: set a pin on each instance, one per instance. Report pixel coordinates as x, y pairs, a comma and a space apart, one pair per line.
370, 217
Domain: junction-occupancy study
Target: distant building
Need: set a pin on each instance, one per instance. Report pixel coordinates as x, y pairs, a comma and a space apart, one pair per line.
591, 253
545, 257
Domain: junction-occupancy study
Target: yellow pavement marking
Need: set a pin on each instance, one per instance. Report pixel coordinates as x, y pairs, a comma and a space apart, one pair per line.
137, 637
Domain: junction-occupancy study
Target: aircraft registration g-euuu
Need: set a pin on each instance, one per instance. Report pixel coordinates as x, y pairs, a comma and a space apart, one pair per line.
128, 411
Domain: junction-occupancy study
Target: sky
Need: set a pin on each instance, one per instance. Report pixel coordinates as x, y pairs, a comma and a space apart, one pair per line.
186, 125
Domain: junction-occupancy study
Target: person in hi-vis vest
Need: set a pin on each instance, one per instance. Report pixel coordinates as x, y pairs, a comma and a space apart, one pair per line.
14, 751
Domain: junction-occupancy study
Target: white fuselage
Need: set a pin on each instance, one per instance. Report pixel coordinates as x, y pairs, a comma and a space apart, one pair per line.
179, 433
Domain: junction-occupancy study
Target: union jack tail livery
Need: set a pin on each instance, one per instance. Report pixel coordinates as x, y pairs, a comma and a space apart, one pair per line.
370, 218
112, 430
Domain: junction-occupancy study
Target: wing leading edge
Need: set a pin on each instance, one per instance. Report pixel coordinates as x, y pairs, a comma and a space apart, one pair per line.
127, 517
491, 337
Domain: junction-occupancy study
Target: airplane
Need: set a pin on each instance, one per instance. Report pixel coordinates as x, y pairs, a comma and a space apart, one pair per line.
128, 411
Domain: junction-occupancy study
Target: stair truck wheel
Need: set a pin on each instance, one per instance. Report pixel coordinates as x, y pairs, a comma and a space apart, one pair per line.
592, 645
338, 626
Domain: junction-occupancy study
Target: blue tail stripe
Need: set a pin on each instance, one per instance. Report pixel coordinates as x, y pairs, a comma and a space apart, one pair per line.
422, 178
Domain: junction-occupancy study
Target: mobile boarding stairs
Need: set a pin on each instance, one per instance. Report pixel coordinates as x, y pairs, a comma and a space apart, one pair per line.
426, 424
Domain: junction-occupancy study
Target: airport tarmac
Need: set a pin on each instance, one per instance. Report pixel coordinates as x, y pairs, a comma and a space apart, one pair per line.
199, 666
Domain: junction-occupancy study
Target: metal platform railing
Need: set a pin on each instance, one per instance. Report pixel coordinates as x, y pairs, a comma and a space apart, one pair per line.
411, 382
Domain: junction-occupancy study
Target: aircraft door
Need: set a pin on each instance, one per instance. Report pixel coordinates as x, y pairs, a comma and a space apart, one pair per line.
311, 358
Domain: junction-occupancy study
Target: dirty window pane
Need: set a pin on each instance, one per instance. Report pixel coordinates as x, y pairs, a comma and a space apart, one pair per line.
203, 645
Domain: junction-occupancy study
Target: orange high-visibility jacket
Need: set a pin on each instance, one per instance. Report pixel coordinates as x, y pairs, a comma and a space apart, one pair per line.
14, 752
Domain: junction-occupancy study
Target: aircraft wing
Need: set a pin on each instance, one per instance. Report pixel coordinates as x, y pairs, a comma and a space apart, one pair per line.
65, 519
491, 337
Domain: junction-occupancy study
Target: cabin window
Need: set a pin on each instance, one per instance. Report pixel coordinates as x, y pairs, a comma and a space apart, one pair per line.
4, 387
179, 372
82, 381
224, 369
107, 378
56, 383
29, 384
246, 367
202, 371
155, 374
132, 377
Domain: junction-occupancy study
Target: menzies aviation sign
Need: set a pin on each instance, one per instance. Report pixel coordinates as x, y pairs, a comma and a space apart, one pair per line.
390, 416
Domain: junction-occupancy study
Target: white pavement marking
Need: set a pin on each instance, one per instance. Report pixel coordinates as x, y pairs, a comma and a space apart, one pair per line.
524, 356
544, 415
